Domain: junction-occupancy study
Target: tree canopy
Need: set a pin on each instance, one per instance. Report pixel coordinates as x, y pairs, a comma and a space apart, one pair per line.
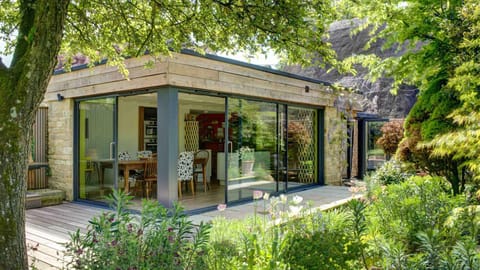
439, 44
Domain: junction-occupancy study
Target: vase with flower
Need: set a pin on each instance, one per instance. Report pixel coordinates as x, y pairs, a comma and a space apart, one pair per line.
247, 156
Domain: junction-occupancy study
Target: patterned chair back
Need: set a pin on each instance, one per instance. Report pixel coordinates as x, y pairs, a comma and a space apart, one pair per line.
185, 166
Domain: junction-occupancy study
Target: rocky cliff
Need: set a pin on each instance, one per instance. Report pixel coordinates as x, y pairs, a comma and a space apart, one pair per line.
378, 96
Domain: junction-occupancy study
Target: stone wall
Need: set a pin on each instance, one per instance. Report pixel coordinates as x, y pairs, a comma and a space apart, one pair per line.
334, 132
60, 146
354, 172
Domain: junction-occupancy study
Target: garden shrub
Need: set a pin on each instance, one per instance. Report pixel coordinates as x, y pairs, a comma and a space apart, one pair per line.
323, 243
391, 172
419, 204
392, 134
328, 240
305, 239
156, 239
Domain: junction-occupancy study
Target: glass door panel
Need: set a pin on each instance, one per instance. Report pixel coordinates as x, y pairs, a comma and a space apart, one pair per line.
96, 148
375, 156
253, 148
202, 130
302, 154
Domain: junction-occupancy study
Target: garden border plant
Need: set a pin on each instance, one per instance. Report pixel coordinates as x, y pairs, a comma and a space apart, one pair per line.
158, 238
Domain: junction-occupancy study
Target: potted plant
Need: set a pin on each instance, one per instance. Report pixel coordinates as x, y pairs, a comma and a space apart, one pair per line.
247, 156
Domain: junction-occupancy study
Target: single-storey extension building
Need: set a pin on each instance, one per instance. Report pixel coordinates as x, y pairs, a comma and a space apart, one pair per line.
201, 129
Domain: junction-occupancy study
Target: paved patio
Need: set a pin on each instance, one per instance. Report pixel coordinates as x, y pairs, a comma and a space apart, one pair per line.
48, 228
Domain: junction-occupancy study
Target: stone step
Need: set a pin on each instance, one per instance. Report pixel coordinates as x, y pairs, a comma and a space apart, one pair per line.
44, 197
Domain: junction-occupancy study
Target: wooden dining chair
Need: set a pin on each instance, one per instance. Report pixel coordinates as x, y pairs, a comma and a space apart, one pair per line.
200, 167
150, 175
185, 171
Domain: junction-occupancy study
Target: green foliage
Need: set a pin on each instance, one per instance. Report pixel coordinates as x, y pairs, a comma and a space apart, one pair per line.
437, 50
427, 119
157, 239
325, 242
463, 144
417, 225
400, 211
292, 236
410, 225
391, 172
290, 28
253, 243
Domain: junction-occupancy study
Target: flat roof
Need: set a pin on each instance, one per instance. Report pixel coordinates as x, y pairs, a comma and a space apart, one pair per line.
220, 59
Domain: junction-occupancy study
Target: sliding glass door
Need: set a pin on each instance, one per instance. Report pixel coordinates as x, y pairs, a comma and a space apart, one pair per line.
253, 148
96, 148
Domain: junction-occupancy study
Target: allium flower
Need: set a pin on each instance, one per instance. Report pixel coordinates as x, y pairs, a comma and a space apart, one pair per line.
283, 198
297, 199
295, 209
221, 207
257, 194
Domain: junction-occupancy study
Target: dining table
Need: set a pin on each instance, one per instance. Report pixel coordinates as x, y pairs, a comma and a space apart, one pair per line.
125, 165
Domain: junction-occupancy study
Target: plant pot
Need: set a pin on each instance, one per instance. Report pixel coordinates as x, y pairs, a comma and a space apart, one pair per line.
247, 167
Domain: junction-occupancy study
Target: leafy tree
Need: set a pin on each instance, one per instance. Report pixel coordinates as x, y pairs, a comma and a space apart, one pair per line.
464, 142
35, 31
431, 36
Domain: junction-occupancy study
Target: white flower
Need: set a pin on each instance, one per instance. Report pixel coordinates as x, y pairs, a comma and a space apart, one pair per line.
295, 209
297, 199
283, 198
266, 196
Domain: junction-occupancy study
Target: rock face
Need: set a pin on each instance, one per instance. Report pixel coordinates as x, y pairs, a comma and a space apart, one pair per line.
378, 96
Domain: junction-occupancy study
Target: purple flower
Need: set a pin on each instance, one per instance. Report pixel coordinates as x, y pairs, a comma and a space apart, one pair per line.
221, 207
257, 194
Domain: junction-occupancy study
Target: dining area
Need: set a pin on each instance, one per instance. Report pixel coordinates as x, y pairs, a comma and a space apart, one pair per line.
137, 174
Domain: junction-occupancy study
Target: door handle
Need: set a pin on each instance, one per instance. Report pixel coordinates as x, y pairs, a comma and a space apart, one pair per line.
112, 145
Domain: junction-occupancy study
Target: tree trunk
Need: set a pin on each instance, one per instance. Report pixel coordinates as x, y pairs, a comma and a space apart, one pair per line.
13, 156
22, 87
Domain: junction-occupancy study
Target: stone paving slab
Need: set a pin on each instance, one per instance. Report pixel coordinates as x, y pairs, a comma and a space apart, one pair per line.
323, 197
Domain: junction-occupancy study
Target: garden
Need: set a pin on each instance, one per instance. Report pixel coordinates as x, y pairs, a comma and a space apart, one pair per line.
404, 221
420, 210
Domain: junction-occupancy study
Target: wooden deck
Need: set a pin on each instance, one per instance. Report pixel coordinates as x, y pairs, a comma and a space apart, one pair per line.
49, 227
